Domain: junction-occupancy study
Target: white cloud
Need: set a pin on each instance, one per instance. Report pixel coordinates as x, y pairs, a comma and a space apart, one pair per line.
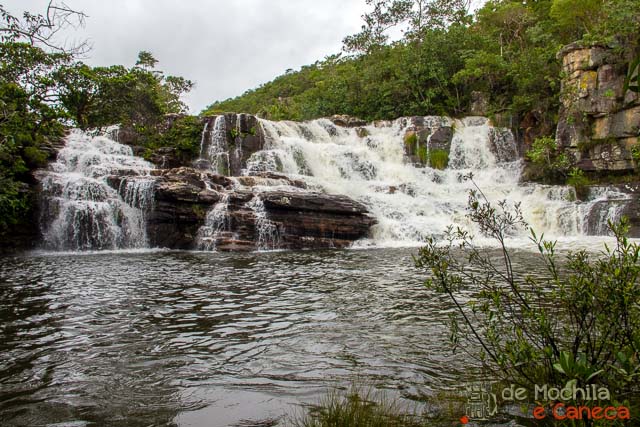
225, 46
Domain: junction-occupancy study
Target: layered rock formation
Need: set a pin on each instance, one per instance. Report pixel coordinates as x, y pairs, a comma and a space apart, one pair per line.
599, 122
257, 212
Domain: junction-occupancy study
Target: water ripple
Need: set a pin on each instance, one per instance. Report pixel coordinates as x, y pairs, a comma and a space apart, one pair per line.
176, 338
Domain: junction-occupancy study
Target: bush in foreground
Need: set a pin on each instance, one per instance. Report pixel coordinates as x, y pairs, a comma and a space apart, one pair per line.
578, 325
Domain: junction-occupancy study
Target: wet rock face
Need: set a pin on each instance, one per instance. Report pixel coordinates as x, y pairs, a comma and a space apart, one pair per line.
599, 122
229, 140
316, 220
625, 203
293, 218
347, 121
434, 132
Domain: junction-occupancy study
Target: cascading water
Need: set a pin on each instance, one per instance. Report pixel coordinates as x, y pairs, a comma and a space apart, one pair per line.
80, 210
217, 152
410, 202
267, 236
216, 222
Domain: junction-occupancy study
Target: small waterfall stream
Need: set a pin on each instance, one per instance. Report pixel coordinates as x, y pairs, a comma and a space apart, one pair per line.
216, 222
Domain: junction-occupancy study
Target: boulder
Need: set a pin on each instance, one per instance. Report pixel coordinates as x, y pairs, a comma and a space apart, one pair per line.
344, 120
425, 133
242, 136
316, 220
182, 198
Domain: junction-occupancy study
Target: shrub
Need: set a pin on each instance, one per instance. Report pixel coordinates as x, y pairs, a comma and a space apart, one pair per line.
579, 181
545, 153
580, 323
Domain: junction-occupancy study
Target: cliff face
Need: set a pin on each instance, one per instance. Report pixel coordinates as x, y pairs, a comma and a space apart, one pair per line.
599, 122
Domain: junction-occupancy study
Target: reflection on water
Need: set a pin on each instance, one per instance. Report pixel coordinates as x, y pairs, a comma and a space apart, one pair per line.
178, 338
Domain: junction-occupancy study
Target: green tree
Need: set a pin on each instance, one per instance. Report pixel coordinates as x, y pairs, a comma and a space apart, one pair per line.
29, 114
102, 96
146, 60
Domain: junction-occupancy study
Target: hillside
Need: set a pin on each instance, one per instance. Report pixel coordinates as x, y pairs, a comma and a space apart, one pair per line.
502, 60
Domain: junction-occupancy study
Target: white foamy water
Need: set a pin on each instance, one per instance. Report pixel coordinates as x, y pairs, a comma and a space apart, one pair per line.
412, 202
80, 210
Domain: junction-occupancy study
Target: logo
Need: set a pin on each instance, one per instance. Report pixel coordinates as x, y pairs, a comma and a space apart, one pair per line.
482, 402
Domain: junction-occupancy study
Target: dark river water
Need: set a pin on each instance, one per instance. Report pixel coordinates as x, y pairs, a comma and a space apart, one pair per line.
212, 339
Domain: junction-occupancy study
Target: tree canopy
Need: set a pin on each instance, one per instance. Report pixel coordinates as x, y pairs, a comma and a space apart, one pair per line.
507, 49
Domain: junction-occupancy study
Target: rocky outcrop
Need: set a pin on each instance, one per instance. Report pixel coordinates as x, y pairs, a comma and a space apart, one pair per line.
347, 121
268, 211
316, 220
182, 198
229, 140
599, 122
624, 200
425, 136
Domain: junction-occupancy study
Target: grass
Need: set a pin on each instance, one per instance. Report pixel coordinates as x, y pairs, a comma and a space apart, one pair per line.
368, 407
438, 158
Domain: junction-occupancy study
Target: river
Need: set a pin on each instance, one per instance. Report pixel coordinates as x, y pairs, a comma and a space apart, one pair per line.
143, 338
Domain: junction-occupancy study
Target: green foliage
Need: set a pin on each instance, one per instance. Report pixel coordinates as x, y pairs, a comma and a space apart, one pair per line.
635, 152
28, 119
146, 60
632, 81
102, 96
545, 153
42, 89
183, 134
508, 51
580, 322
438, 158
579, 181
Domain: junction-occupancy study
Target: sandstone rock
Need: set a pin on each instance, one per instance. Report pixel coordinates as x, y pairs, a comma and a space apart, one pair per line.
612, 156
576, 57
595, 112
300, 218
347, 121
316, 220
421, 131
243, 136
166, 158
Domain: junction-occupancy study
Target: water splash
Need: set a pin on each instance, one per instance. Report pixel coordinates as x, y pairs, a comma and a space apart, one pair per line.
412, 202
214, 148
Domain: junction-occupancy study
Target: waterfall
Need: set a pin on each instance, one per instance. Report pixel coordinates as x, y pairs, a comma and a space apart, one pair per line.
411, 202
266, 235
204, 140
97, 194
216, 223
84, 207
217, 152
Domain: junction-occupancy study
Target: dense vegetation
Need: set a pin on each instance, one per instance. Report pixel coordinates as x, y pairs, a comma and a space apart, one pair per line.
506, 51
44, 89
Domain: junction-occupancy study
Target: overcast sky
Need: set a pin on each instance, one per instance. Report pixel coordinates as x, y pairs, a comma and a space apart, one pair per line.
224, 46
